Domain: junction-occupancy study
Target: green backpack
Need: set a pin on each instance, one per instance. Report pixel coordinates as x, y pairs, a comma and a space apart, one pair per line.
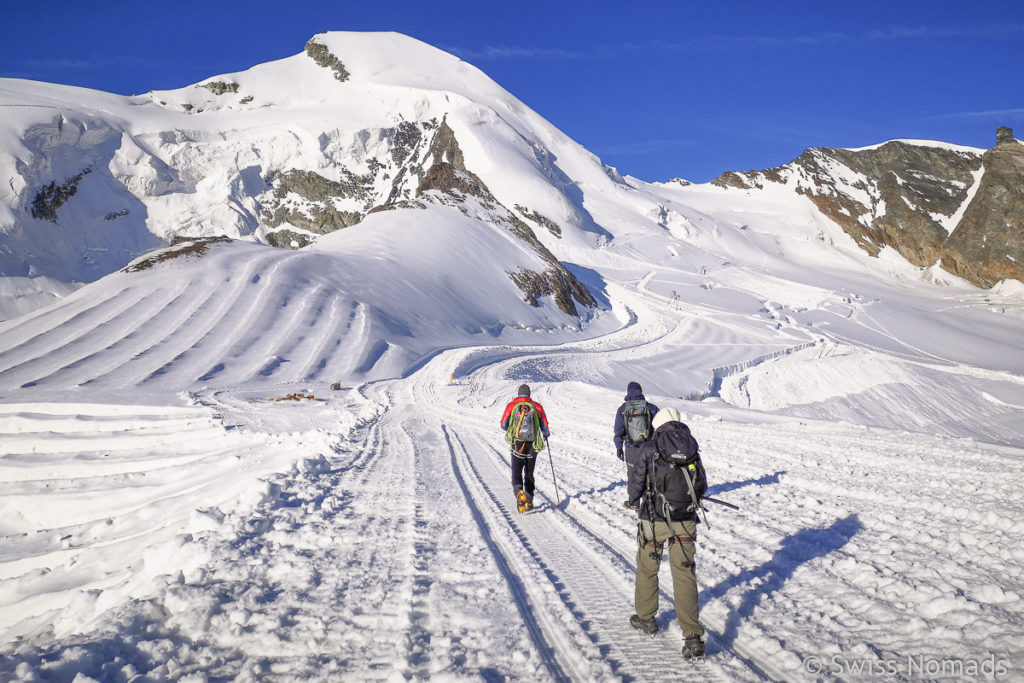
524, 425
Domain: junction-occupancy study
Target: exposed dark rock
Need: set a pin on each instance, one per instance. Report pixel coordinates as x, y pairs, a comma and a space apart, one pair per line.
220, 87
53, 196
988, 243
555, 282
245, 100
317, 213
734, 179
914, 184
320, 54
405, 139
315, 187
180, 247
114, 215
448, 174
1004, 136
540, 219
287, 239
401, 204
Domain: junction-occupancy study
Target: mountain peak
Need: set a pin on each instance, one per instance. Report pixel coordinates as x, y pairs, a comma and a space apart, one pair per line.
1004, 135
389, 58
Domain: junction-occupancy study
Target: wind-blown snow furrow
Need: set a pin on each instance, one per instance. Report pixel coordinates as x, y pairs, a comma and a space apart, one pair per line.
76, 308
76, 419
139, 337
106, 345
274, 334
58, 470
301, 337
167, 325
329, 336
98, 524
111, 440
36, 356
214, 328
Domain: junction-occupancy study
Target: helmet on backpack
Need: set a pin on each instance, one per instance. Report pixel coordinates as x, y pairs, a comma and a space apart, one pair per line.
664, 416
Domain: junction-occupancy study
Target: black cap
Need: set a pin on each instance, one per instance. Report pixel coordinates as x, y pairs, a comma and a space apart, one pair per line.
634, 387
524, 390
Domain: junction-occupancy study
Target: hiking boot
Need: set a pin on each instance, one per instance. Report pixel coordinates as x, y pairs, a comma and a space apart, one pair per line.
646, 625
521, 500
527, 506
693, 648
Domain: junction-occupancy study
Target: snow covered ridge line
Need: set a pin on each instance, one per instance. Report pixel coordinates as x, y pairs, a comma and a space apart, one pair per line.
283, 153
932, 202
963, 149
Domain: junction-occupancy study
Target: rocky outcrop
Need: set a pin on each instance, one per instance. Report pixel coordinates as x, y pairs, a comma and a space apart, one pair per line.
303, 204
320, 54
306, 200
220, 87
404, 140
924, 201
540, 219
179, 248
988, 243
51, 197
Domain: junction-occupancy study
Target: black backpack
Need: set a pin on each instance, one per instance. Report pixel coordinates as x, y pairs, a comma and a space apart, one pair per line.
678, 477
637, 417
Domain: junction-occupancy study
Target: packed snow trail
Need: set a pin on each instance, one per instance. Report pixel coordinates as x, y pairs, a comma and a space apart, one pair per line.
578, 591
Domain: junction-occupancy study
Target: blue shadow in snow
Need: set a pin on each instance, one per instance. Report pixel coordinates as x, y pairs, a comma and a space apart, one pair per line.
593, 281
594, 491
733, 485
798, 549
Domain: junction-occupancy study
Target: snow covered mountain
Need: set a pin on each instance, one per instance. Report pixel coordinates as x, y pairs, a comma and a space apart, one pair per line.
259, 332
282, 153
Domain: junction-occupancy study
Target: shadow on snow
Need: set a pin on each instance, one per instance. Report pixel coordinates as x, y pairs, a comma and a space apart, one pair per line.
796, 550
719, 489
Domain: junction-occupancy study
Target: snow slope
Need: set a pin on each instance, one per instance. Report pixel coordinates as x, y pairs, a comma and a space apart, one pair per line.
164, 517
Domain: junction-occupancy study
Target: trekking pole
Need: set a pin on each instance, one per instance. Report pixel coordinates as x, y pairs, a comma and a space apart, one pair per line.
558, 498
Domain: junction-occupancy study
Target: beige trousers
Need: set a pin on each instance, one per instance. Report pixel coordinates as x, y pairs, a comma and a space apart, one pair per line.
684, 577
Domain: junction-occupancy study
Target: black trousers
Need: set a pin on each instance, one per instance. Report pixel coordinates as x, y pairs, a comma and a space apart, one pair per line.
524, 459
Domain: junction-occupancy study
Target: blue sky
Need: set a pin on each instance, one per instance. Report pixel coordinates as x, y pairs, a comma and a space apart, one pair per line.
656, 89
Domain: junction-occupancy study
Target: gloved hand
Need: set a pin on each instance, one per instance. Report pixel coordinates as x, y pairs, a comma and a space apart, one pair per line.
630, 506
619, 454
